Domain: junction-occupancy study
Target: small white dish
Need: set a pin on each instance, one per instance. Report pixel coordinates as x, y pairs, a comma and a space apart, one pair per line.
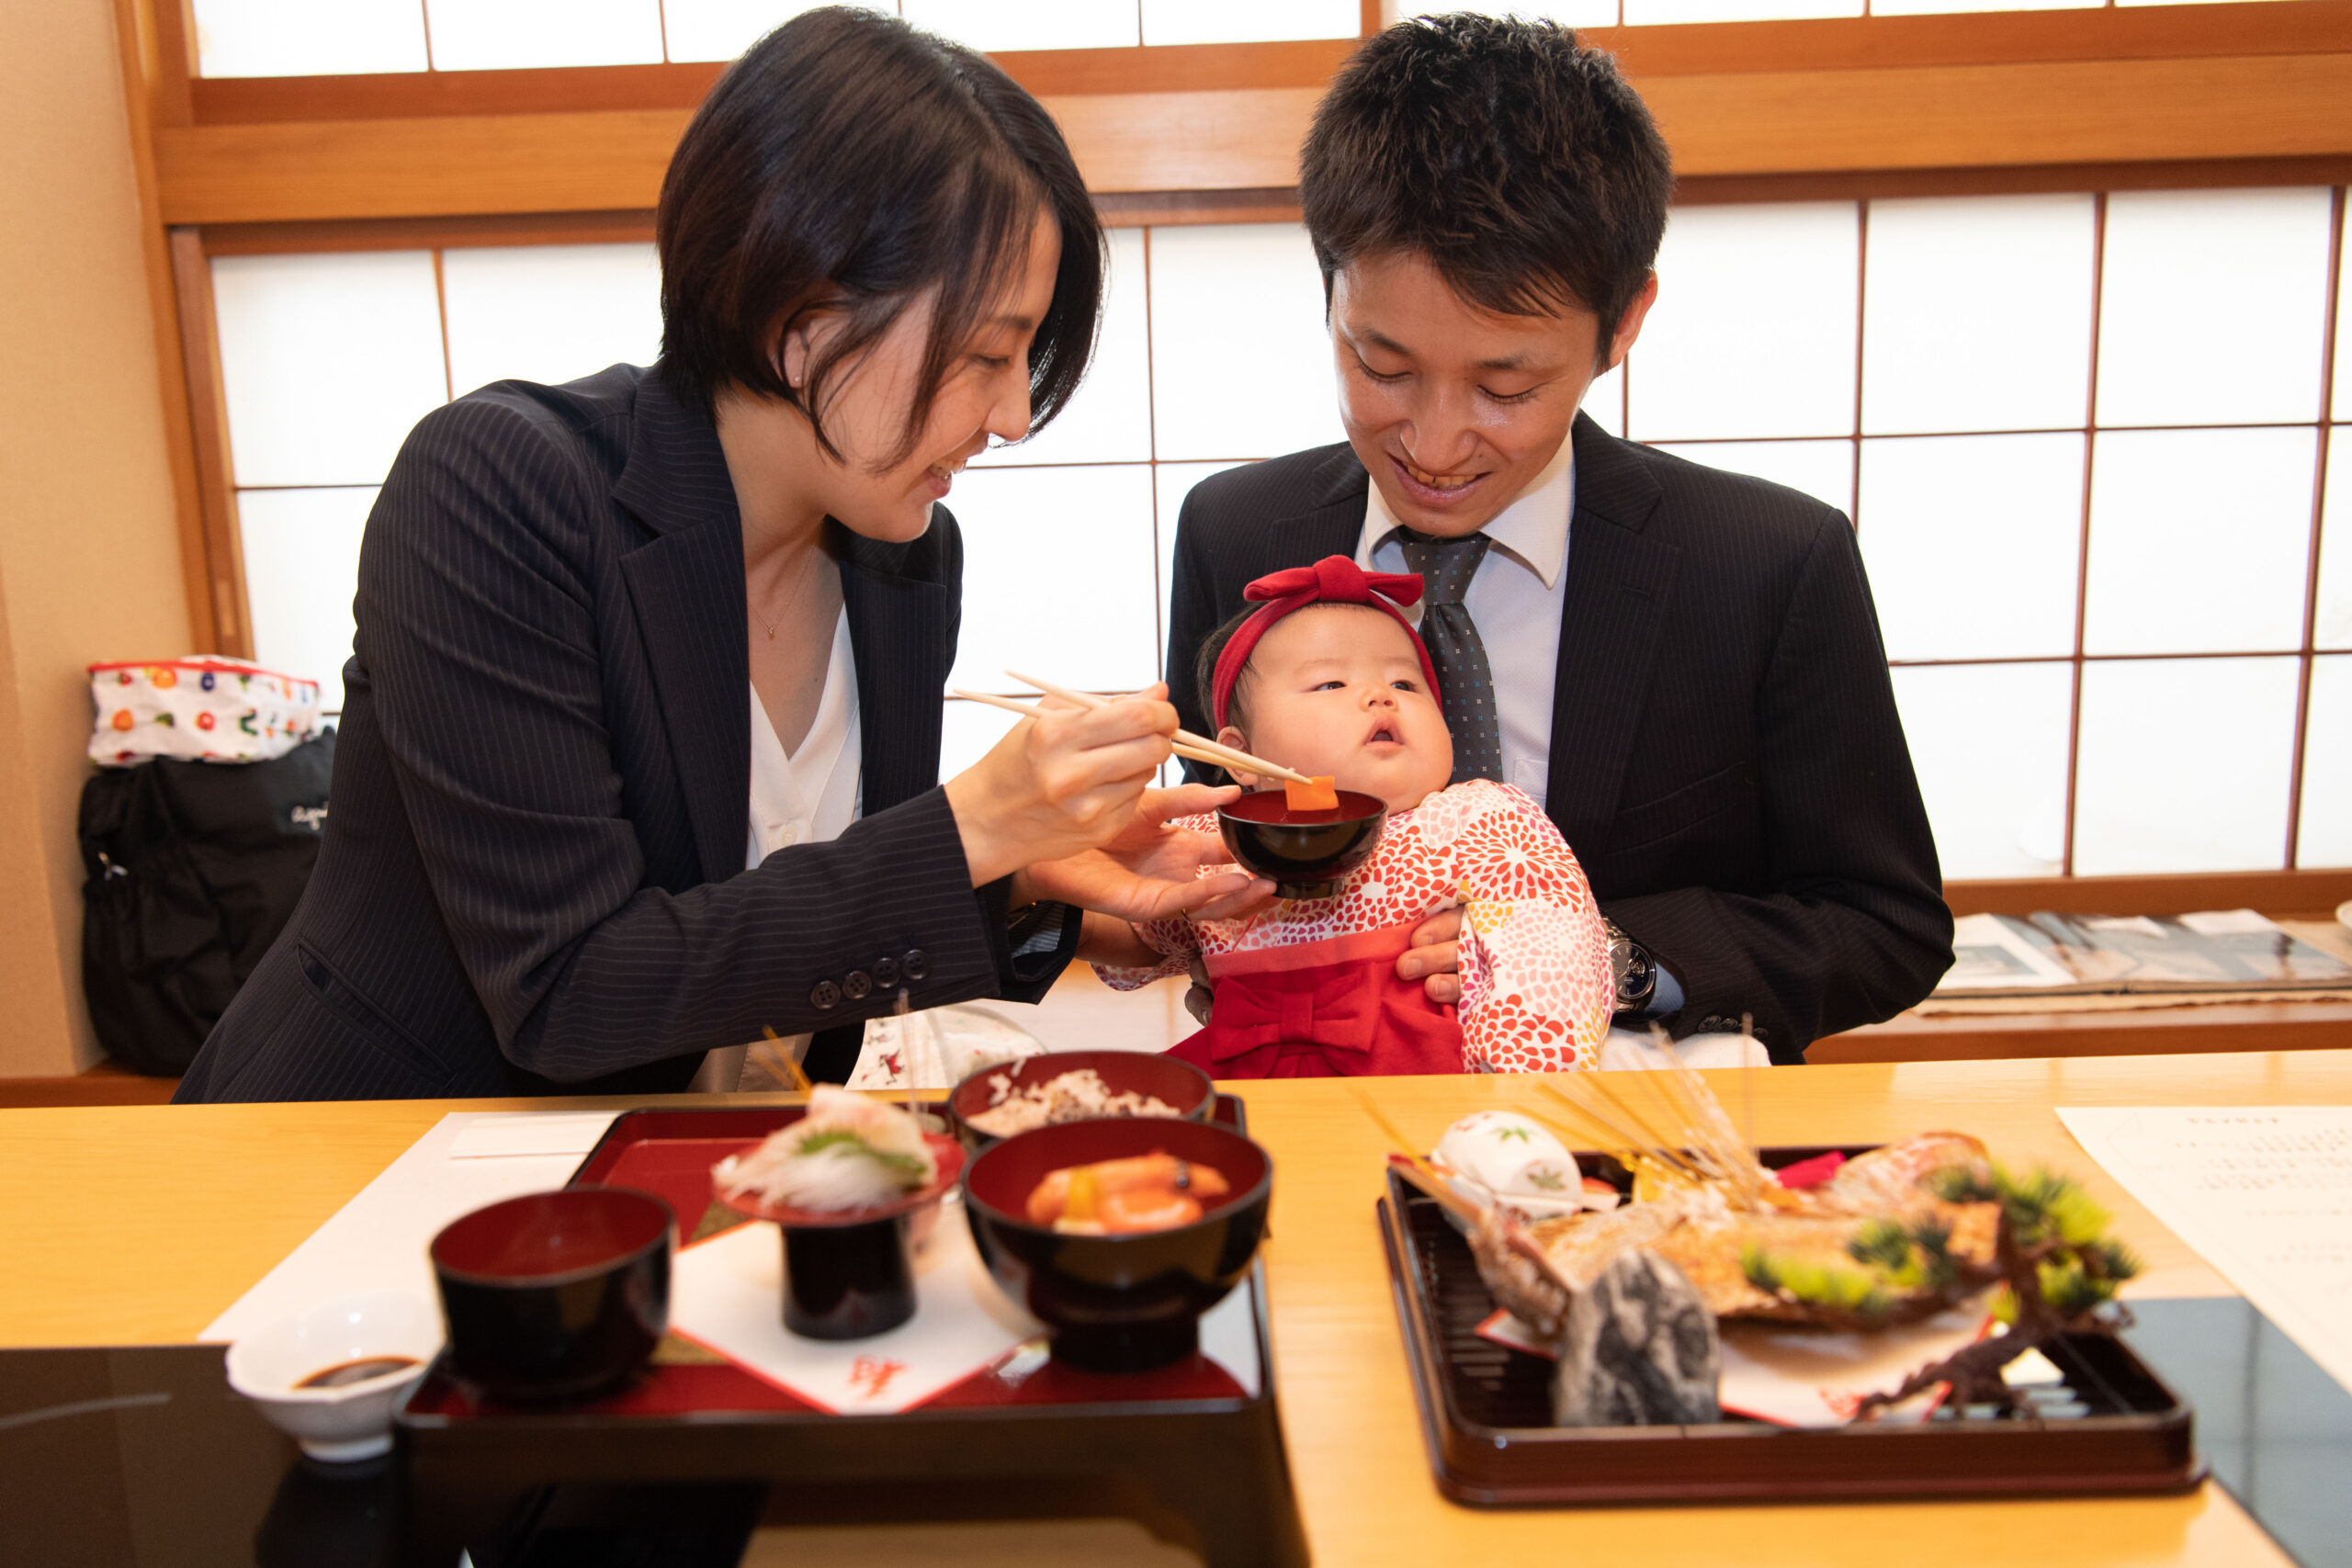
1502, 1157
352, 1420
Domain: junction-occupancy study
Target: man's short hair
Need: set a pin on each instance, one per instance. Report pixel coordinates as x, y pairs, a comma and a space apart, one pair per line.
1522, 165
848, 161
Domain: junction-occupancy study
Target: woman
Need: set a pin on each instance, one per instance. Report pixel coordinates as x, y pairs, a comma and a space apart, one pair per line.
643, 713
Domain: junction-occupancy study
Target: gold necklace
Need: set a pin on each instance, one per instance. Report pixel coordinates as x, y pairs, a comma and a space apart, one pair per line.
806, 577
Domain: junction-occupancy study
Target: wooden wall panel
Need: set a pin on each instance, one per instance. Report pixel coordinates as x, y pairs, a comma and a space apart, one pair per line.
404, 168
1235, 139
221, 561
1735, 124
1970, 117
154, 93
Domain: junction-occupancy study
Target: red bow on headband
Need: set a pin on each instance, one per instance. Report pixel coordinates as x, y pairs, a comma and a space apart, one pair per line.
1334, 579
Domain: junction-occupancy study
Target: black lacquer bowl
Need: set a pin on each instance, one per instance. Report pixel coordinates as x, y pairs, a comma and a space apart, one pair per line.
1172, 1082
556, 1295
1118, 1303
1306, 853
851, 1274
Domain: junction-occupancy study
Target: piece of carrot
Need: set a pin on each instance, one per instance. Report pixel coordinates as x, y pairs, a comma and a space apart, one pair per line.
1316, 795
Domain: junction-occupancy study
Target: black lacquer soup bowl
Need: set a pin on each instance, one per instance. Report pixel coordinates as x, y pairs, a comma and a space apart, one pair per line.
1307, 854
1119, 1304
556, 1295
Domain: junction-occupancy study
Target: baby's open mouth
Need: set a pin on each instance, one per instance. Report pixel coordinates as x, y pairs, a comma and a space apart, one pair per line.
1384, 733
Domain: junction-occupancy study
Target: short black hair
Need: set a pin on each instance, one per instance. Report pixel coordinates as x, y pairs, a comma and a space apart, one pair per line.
848, 160
1520, 163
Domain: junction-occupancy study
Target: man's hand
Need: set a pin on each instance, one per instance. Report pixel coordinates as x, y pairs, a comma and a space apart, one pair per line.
1148, 870
1437, 954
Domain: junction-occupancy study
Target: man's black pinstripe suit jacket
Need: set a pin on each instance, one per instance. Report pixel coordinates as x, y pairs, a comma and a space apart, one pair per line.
1726, 759
533, 871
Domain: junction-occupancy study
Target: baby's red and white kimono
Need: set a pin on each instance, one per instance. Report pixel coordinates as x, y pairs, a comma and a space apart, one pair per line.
1309, 988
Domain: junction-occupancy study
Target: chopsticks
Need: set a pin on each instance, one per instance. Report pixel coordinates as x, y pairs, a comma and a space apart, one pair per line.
1203, 749
1220, 757
1186, 744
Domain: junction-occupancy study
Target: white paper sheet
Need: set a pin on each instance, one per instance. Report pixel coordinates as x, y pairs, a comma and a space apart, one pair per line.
726, 1294
378, 1240
501, 1136
2263, 1193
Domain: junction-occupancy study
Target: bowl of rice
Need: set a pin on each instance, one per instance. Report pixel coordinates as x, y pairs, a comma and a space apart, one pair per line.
996, 1103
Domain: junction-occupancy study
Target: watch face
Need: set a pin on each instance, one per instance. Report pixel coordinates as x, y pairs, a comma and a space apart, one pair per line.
1636, 977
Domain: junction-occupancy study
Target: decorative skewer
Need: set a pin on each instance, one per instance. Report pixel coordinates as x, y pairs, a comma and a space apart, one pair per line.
800, 1080
1702, 1114
1642, 1146
1415, 1172
1224, 756
1583, 1126
1413, 1166
1652, 1138
907, 1056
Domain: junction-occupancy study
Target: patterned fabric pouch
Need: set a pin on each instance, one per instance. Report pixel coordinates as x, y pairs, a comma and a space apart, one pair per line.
201, 708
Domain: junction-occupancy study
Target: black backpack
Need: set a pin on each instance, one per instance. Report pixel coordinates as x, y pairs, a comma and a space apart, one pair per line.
191, 870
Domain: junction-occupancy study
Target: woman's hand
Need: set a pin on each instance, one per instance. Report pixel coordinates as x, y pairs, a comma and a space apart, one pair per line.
1062, 783
1148, 870
1435, 954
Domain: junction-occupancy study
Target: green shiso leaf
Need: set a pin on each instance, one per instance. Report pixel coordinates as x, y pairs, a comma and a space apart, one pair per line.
905, 1167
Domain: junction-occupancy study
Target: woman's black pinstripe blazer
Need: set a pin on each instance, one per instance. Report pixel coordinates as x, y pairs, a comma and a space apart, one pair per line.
533, 871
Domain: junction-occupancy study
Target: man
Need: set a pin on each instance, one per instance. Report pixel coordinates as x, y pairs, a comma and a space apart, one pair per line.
1682, 664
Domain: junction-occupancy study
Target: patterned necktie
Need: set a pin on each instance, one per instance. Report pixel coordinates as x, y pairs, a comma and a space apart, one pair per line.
1447, 567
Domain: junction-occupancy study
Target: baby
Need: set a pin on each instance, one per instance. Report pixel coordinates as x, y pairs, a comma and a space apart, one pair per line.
1328, 678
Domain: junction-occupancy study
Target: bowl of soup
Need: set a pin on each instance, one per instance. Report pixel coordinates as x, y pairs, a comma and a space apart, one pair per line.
1305, 853
1117, 1235
556, 1295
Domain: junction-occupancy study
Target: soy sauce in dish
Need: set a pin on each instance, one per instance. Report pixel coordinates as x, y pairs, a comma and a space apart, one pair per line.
343, 1374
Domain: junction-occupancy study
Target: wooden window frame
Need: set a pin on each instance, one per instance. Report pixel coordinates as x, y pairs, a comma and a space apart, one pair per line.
2104, 99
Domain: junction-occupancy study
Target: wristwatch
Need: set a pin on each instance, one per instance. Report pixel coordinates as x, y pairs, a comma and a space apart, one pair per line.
1635, 970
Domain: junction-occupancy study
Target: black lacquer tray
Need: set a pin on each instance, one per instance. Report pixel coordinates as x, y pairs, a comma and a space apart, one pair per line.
1186, 1449
1486, 1413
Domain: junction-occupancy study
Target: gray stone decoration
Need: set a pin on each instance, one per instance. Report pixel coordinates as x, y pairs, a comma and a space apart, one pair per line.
1639, 1350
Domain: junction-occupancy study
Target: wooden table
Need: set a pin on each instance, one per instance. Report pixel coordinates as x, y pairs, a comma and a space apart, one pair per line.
137, 1224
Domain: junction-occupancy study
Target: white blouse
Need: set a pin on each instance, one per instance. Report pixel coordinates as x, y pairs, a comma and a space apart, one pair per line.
805, 796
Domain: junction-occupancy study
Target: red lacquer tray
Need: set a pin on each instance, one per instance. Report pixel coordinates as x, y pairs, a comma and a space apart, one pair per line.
1486, 1412
1188, 1445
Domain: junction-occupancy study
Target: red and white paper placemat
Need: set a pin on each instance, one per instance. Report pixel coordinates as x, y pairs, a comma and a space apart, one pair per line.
727, 1294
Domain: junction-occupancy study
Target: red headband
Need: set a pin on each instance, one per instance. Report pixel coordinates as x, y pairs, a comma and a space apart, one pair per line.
1334, 579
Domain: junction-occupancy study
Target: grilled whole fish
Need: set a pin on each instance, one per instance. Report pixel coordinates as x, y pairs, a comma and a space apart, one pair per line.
1709, 1230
